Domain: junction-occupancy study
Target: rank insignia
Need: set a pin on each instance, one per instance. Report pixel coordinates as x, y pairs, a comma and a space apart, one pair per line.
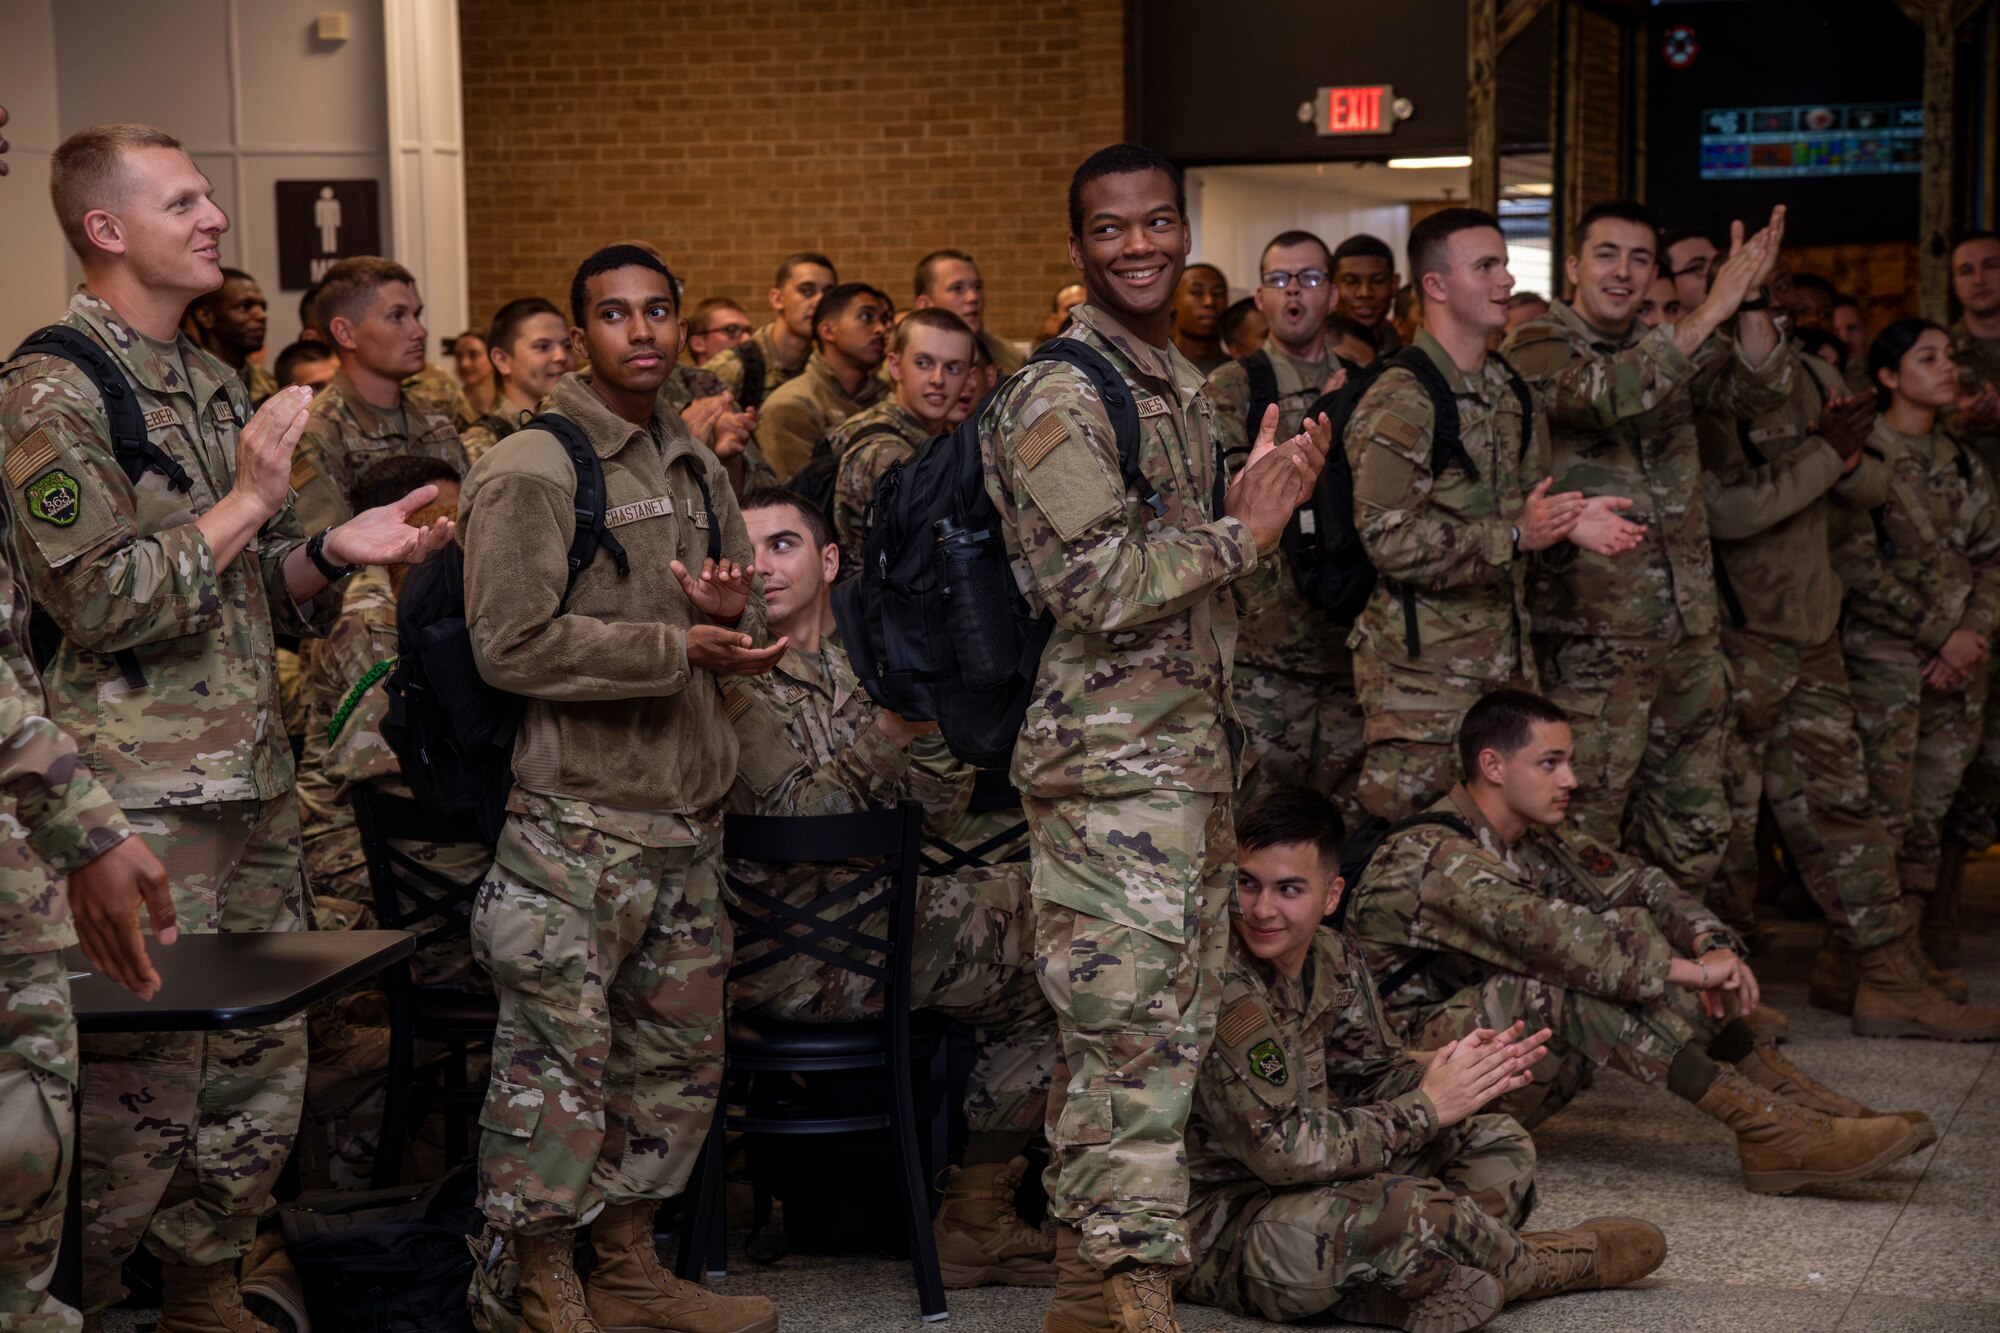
1268, 1062
1596, 860
54, 497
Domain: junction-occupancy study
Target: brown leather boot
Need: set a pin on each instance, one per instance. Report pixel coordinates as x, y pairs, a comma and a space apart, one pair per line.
1769, 1024
1602, 1252
1141, 1300
1948, 983
1896, 1001
1834, 978
205, 1300
631, 1293
1768, 1069
1137, 1300
551, 1292
1783, 1146
981, 1240
1465, 1300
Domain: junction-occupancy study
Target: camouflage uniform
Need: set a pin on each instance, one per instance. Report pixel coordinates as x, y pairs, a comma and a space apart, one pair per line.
200, 1121
684, 384
805, 409
1294, 677
728, 366
601, 922
1125, 763
345, 433
1444, 545
861, 466
1554, 930
257, 384
1972, 813
1000, 352
1318, 1163
1771, 485
1627, 643
809, 745
1922, 565
57, 818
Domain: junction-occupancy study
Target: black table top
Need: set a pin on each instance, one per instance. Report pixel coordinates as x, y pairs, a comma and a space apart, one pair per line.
233, 981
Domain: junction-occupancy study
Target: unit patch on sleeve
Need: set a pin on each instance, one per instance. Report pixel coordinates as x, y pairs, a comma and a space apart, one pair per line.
1268, 1062
54, 497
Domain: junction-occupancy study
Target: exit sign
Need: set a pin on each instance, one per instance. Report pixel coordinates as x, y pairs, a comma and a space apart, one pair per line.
1364, 109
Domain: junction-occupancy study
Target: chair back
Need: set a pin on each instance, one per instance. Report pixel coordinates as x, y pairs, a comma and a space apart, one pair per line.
992, 793
408, 894
831, 929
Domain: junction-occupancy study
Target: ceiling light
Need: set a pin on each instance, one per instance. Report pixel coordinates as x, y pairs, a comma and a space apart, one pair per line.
1532, 189
1426, 163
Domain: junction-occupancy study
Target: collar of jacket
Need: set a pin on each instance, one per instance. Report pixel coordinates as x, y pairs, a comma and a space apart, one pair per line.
204, 375
610, 433
1165, 364
1489, 837
373, 421
1320, 978
1578, 327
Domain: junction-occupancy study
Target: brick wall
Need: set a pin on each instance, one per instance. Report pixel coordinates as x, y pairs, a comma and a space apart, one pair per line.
730, 132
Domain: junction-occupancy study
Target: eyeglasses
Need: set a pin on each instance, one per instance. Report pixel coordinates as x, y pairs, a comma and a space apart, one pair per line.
1278, 279
725, 331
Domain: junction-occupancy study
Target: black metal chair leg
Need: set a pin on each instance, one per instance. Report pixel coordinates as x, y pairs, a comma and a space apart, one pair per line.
916, 1190
394, 1138
691, 1264
715, 1199
940, 1127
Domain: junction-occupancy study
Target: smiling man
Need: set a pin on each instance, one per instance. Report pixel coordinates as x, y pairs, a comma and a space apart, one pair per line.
1125, 761
529, 344
1364, 277
1627, 643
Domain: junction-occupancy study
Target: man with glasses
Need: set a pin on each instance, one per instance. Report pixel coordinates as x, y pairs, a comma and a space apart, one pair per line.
1689, 257
717, 325
1294, 683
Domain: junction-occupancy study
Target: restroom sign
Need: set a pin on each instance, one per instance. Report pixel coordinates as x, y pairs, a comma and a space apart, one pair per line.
321, 223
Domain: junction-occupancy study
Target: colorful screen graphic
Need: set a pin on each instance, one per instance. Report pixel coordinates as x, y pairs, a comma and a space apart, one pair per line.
1855, 139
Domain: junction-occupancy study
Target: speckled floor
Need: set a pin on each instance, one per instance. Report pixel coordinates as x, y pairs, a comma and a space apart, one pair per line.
1916, 1248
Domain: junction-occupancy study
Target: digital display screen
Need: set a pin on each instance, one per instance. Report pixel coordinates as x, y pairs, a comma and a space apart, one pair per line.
1774, 142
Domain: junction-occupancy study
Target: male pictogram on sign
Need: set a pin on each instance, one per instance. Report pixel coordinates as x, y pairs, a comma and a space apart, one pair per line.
322, 222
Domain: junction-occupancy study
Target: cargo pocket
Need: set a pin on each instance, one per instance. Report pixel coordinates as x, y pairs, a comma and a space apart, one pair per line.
1135, 861
511, 1109
37, 1140
1085, 1122
531, 928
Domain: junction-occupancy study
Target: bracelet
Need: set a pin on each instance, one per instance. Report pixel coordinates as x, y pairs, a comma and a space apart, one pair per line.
1704, 973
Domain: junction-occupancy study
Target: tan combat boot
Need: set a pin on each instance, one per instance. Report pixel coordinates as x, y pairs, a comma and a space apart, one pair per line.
981, 1240
1467, 1299
205, 1300
551, 1292
1769, 1025
1138, 1300
1783, 1146
1768, 1069
1834, 978
1601, 1252
1895, 1000
630, 1292
1949, 983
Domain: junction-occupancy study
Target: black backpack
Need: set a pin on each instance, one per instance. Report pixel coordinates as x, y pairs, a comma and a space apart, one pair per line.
396, 1260
452, 732
1354, 858
1328, 561
751, 357
129, 446
934, 624
816, 480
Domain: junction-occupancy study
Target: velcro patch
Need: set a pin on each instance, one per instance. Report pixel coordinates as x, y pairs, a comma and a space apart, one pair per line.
1152, 407
54, 497
1268, 1062
659, 506
1049, 432
1398, 431
1242, 1019
1595, 859
30, 456
302, 473
158, 417
438, 435
735, 702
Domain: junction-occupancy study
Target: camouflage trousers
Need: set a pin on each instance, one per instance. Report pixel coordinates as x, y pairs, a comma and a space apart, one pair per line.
971, 959
1795, 745
1306, 731
1919, 742
1588, 1032
1294, 1253
184, 1133
1651, 719
1972, 817
609, 960
1411, 732
1130, 899
37, 1136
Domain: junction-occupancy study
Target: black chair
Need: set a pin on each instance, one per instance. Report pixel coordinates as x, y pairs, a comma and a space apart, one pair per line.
410, 895
991, 792
830, 930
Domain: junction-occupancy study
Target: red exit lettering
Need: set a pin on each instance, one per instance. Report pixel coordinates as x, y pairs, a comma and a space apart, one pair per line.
1354, 110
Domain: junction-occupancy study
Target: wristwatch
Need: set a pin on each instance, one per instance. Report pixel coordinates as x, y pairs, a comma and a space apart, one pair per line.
1761, 301
1517, 535
316, 552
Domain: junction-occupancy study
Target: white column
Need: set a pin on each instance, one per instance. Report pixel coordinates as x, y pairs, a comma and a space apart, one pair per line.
427, 155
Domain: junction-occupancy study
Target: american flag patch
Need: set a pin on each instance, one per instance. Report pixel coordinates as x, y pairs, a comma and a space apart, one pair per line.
30, 456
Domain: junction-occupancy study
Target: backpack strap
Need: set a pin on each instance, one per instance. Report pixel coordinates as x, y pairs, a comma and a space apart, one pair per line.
751, 392
589, 504
129, 443
1119, 405
708, 507
1447, 450
1263, 388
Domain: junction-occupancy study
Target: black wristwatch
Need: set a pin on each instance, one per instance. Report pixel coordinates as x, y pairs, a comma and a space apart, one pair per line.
1761, 301
316, 552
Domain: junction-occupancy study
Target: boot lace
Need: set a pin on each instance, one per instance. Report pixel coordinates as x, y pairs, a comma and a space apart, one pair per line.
1773, 1104
1152, 1291
566, 1292
1560, 1265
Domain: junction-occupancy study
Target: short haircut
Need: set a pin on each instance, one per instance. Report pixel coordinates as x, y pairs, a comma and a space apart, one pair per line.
348, 287
1429, 238
609, 259
1967, 238
709, 306
1340, 326
1813, 282
1620, 210
1232, 318
818, 526
309, 310
1670, 239
799, 259
1891, 345
1503, 721
930, 317
1519, 299
1814, 341
1408, 298
1120, 159
1285, 240
1288, 816
296, 355
1363, 246
833, 302
926, 267
87, 172
1842, 298
211, 300
506, 324
387, 481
